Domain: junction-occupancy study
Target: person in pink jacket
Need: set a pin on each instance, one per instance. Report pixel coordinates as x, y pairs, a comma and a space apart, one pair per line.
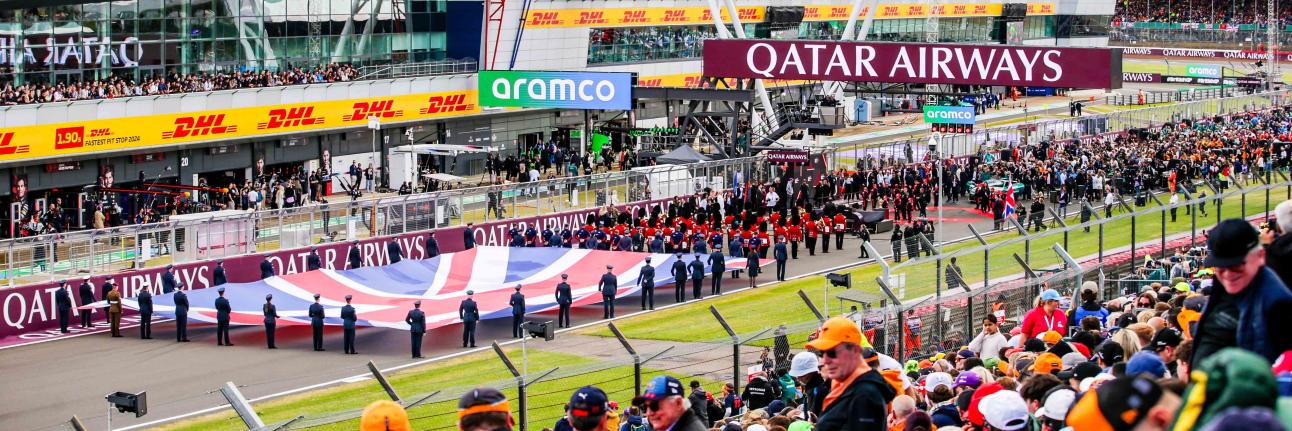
1045, 317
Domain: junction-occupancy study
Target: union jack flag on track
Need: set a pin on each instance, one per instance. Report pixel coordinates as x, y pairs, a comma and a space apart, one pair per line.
1009, 200
382, 295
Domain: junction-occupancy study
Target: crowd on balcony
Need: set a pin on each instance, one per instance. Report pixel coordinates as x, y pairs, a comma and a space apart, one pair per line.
1200, 12
117, 86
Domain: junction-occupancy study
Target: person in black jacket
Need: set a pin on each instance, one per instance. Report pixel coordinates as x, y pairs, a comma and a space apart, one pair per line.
416, 321
313, 262
222, 311
86, 294
63, 302
348, 319
470, 314
646, 279
863, 405
145, 301
355, 259
266, 268
217, 275
718, 266
393, 251
679, 279
609, 287
432, 245
697, 277
168, 279
805, 369
181, 314
563, 299
517, 304
469, 236
699, 402
782, 256
271, 320
316, 323
758, 392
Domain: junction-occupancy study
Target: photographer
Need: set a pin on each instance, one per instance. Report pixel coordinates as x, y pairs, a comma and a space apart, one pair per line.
1278, 242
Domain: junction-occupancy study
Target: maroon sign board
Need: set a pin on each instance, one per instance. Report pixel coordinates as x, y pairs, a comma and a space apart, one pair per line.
918, 63
787, 156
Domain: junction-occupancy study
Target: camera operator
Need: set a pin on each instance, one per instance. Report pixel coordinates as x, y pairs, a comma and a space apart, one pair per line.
1278, 242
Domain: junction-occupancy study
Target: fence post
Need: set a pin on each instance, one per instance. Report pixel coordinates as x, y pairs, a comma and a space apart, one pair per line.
1063, 254
735, 348
637, 360
381, 379
1242, 193
1063, 224
1193, 217
986, 257
1159, 203
883, 265
1131, 211
812, 307
241, 406
1027, 240
901, 319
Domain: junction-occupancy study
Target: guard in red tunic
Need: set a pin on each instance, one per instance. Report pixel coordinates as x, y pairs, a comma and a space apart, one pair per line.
812, 232
840, 226
795, 234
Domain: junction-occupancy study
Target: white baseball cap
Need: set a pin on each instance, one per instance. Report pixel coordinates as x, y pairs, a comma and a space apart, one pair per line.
1004, 410
934, 380
804, 363
1057, 404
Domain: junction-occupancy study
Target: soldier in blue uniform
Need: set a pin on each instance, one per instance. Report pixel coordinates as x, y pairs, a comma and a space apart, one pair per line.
781, 255
677, 240
550, 239
63, 301
625, 243
355, 259
715, 240
181, 314
603, 241
718, 265
316, 323
657, 244
432, 245
469, 236
86, 294
563, 299
584, 235
609, 287
646, 279
313, 262
566, 235
145, 300
679, 279
638, 240
592, 243
271, 320
699, 245
348, 319
222, 311
531, 237
395, 253
697, 277
515, 239
469, 314
168, 279
737, 249
416, 321
217, 275
517, 304
266, 268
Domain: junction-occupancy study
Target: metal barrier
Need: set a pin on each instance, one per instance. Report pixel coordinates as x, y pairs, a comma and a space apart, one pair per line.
1183, 95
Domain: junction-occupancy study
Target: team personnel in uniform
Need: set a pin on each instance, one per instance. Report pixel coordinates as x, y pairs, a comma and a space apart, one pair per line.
392, 249
145, 300
563, 299
718, 263
416, 321
217, 275
469, 314
646, 279
353, 256
609, 287
271, 320
316, 323
266, 269
87, 298
781, 255
63, 302
697, 277
517, 304
313, 262
222, 311
181, 314
114, 308
348, 319
679, 279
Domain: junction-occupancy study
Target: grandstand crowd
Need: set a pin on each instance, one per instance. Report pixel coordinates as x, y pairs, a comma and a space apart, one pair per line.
1199, 11
116, 86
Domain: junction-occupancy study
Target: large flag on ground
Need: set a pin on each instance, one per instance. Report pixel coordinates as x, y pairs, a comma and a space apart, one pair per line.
382, 295
1009, 200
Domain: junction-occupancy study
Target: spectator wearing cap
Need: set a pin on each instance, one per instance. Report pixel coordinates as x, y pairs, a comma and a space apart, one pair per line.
1165, 343
859, 395
484, 409
1079, 372
1005, 411
271, 320
989, 341
589, 410
699, 400
805, 369
1127, 403
667, 409
384, 415
222, 312
416, 320
316, 323
1146, 362
1045, 317
1109, 354
348, 320
609, 287
940, 390
1249, 306
1054, 408
1278, 249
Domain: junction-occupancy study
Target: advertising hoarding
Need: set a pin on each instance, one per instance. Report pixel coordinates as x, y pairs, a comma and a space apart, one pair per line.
949, 114
787, 156
573, 90
914, 63
1202, 70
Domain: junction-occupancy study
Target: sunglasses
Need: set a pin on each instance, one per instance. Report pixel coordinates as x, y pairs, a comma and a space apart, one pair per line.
832, 353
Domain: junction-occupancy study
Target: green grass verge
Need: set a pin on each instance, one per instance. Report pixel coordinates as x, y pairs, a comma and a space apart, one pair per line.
768, 306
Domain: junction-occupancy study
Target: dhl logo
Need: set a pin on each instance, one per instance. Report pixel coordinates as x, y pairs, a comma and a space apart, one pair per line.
979, 9
546, 18
635, 17
960, 9
839, 12
290, 117
692, 81
6, 145
939, 10
811, 13
380, 109
675, 15
69, 137
653, 82
440, 104
199, 126
1047, 8
915, 10
891, 11
748, 14
99, 133
591, 17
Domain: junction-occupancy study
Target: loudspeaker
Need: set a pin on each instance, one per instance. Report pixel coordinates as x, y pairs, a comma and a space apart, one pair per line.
839, 280
129, 403
542, 330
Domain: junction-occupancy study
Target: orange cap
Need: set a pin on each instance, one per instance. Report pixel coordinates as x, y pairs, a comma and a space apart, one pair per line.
838, 330
1047, 363
1052, 337
384, 415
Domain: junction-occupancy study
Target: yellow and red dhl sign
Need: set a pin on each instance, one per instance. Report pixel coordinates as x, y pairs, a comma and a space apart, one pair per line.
905, 10
694, 80
627, 17
52, 140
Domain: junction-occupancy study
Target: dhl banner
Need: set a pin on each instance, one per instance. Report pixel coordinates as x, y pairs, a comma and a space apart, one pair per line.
63, 139
628, 17
692, 80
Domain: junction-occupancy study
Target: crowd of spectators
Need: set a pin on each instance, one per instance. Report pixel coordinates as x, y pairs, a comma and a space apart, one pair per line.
1199, 12
118, 86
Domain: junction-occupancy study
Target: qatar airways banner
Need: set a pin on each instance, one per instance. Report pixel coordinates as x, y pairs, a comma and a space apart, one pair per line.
1283, 57
29, 311
921, 63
